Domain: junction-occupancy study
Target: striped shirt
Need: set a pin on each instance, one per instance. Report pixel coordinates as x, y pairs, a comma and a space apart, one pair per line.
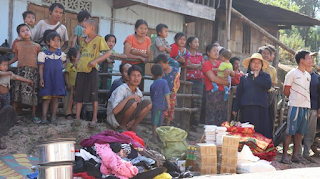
300, 84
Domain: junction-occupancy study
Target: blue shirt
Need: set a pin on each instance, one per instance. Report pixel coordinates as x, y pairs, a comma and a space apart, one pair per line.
253, 91
314, 90
158, 92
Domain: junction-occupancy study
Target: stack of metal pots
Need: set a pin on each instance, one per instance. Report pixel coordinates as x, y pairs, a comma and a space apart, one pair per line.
56, 159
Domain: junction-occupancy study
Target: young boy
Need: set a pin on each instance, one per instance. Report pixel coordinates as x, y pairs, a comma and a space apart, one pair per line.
296, 88
26, 53
78, 30
160, 97
160, 45
86, 88
29, 18
5, 77
225, 65
70, 75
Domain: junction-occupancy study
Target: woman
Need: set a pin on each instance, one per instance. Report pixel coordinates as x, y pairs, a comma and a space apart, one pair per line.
194, 74
252, 95
137, 46
56, 11
216, 107
235, 61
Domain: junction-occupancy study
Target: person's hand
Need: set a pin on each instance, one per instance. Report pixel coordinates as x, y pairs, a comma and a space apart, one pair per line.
29, 82
227, 72
234, 113
181, 60
41, 83
144, 60
68, 87
92, 64
256, 73
135, 97
109, 60
136, 52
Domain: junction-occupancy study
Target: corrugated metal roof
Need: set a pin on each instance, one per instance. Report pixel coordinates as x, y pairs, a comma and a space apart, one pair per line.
272, 14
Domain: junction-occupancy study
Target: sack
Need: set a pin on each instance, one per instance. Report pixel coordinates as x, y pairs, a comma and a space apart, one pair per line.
174, 141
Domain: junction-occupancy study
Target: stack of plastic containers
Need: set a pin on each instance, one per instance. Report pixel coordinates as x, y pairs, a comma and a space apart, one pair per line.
210, 133
220, 132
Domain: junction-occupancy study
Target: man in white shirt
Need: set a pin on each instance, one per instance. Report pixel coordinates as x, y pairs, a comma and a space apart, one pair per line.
297, 88
126, 106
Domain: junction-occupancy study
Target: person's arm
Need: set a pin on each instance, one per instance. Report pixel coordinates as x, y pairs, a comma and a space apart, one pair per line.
6, 73
19, 78
167, 49
263, 80
288, 81
121, 56
167, 96
121, 105
127, 51
213, 78
216, 69
41, 67
100, 59
286, 91
14, 59
74, 40
237, 102
65, 46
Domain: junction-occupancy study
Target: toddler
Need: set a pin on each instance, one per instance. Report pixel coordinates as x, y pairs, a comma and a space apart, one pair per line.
171, 75
26, 53
86, 89
82, 16
29, 18
70, 75
225, 65
51, 76
160, 97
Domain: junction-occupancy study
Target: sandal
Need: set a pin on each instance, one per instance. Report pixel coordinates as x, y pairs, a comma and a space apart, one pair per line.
44, 121
285, 161
36, 120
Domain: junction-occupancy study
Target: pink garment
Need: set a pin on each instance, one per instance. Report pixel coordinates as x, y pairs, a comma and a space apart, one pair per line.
113, 164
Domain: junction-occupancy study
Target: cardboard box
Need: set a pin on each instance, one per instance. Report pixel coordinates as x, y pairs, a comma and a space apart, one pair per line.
229, 161
226, 169
205, 149
207, 160
231, 141
209, 169
229, 151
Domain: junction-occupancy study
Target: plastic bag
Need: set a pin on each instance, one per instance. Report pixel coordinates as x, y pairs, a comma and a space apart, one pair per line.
174, 141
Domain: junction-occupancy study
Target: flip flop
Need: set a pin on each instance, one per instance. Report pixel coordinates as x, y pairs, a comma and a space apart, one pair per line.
285, 161
36, 120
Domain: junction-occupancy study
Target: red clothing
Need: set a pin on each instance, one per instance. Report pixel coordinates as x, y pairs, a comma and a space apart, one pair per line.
206, 67
194, 74
83, 175
134, 136
135, 45
174, 50
236, 79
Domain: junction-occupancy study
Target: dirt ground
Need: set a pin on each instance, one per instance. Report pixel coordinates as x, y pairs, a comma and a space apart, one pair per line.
26, 135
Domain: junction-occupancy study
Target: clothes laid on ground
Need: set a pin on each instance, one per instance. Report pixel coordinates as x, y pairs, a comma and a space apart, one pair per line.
113, 164
87, 156
134, 136
108, 137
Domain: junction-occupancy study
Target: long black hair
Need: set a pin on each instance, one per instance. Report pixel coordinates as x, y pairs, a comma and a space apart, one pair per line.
190, 40
140, 22
249, 69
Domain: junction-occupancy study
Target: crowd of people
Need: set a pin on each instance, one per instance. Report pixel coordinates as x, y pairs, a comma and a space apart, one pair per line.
47, 73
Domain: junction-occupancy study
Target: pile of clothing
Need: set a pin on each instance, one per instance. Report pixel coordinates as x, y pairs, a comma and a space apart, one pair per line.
115, 155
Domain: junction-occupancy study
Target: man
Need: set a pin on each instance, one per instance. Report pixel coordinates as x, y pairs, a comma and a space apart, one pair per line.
124, 67
296, 88
126, 106
313, 112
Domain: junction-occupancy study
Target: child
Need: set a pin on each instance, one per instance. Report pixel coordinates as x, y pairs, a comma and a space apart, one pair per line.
87, 77
29, 18
235, 61
171, 75
160, 45
111, 42
51, 76
178, 52
225, 65
26, 53
160, 97
82, 16
70, 75
5, 77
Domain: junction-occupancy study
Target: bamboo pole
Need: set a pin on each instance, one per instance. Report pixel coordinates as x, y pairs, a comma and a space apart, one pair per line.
228, 21
262, 31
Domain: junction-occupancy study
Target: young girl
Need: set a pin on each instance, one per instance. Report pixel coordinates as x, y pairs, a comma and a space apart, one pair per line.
178, 51
51, 76
171, 75
70, 75
26, 53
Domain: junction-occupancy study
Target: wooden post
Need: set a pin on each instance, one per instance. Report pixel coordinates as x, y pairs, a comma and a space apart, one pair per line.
262, 31
10, 21
228, 21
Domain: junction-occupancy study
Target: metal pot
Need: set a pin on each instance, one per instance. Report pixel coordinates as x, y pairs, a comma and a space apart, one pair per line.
56, 151
56, 172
